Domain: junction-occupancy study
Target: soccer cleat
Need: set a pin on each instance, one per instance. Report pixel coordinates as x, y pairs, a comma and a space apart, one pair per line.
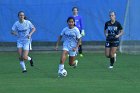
68, 55
81, 55
31, 62
115, 55
76, 63
110, 67
24, 71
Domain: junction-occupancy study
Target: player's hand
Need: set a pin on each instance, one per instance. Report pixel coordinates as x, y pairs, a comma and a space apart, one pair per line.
74, 49
83, 33
106, 35
117, 36
29, 36
14, 33
56, 48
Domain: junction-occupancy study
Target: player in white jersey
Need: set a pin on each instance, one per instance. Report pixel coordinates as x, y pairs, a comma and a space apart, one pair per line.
72, 37
23, 29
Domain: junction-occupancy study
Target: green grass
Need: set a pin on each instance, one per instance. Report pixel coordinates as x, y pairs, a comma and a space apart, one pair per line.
91, 76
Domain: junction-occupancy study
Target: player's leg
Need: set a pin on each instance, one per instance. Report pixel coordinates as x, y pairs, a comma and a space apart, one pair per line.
22, 63
20, 53
108, 47
115, 57
62, 60
112, 59
80, 50
27, 47
116, 44
72, 61
107, 50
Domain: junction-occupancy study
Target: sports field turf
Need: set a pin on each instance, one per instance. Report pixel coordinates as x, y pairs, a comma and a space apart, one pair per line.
91, 75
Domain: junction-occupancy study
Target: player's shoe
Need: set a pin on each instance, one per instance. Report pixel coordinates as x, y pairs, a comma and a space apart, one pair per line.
115, 57
59, 71
81, 55
31, 62
76, 63
110, 67
24, 71
68, 55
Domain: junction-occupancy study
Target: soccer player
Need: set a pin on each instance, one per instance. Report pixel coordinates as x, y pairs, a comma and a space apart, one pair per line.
112, 30
79, 25
72, 38
23, 29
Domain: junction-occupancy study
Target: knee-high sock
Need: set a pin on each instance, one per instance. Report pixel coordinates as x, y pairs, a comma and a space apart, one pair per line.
80, 49
29, 58
61, 66
112, 61
22, 64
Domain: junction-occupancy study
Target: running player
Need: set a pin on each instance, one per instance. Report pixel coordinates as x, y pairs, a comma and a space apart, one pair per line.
72, 38
23, 29
112, 30
79, 25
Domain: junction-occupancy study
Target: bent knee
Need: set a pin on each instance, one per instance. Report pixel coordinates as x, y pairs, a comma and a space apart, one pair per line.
25, 57
71, 63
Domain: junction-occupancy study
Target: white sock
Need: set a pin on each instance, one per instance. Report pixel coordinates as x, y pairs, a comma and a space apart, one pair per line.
61, 66
29, 58
22, 64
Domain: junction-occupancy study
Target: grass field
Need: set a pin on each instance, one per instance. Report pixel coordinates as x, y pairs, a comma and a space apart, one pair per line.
91, 76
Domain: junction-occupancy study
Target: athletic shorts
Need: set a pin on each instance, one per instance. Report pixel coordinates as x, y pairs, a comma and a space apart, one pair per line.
70, 51
112, 44
25, 45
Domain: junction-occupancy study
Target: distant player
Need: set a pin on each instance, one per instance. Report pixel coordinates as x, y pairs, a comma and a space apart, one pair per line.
72, 38
112, 30
23, 29
79, 25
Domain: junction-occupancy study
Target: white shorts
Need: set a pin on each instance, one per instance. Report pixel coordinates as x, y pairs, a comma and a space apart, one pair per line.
70, 51
24, 45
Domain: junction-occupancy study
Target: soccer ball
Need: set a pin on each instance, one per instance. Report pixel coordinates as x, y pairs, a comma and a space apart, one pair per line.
62, 73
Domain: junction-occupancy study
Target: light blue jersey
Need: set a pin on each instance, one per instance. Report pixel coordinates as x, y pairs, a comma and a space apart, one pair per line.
23, 29
70, 37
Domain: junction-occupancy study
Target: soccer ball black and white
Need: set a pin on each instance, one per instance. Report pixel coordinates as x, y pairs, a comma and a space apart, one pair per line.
62, 73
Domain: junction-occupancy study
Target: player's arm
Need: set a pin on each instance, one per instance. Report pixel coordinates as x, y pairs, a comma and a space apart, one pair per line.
33, 29
78, 43
120, 34
14, 33
58, 41
79, 40
81, 24
14, 30
105, 32
121, 31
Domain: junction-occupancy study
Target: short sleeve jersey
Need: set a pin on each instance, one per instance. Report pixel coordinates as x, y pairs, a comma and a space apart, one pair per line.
23, 29
70, 37
112, 30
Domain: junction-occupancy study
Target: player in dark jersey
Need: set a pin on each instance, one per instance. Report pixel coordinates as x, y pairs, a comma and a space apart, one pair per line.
112, 30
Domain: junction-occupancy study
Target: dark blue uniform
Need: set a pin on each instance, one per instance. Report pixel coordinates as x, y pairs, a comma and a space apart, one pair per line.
112, 30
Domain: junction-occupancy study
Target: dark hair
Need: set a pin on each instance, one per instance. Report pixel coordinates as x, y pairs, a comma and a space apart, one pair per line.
24, 15
75, 8
112, 12
69, 18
